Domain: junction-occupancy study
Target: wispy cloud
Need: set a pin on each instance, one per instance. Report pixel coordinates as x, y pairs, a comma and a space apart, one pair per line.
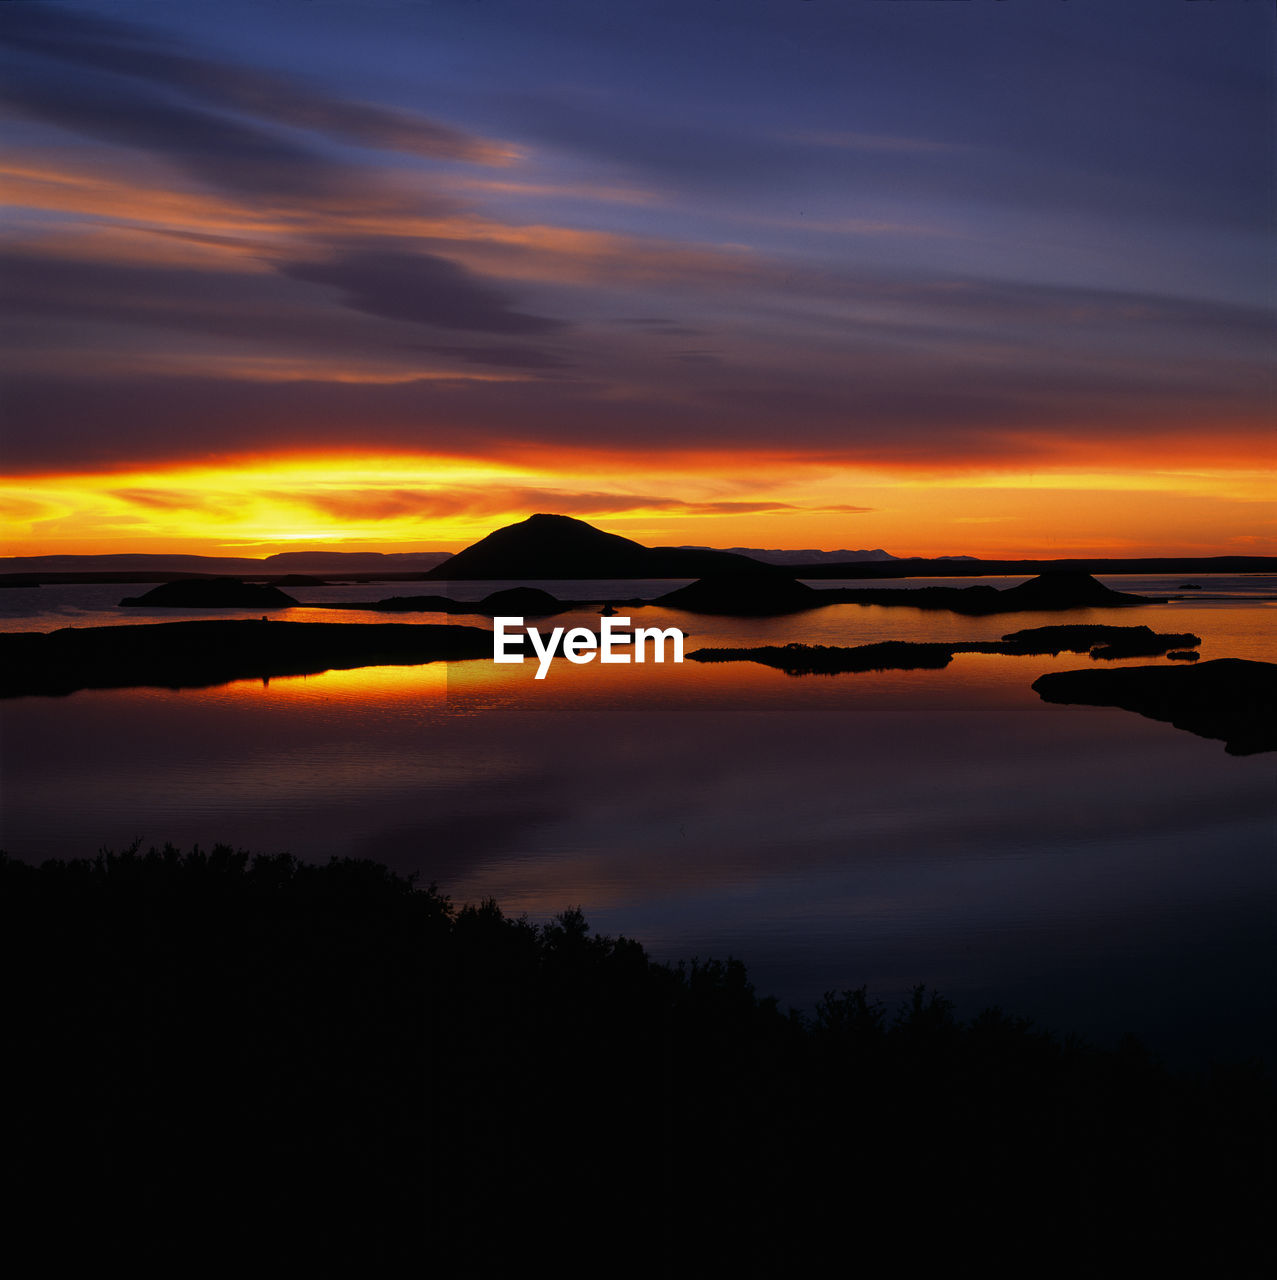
139, 61
534, 254
420, 288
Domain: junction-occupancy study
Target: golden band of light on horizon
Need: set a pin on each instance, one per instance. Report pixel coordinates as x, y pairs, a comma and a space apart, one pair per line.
406, 503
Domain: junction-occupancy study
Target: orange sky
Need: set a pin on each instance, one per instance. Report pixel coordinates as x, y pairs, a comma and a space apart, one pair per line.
264, 297
404, 503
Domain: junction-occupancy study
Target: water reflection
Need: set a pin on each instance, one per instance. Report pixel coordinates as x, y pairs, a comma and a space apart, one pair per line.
1084, 865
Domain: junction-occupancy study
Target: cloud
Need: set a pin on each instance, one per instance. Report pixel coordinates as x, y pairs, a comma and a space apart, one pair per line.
170, 499
245, 303
737, 508
286, 290
964, 127
943, 418
373, 504
655, 324
97, 44
20, 509
255, 135
365, 504
513, 357
420, 288
231, 154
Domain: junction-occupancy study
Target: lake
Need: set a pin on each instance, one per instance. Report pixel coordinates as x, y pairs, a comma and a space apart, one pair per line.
1090, 868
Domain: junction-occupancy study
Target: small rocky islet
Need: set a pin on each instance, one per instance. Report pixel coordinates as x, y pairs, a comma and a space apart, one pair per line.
1230, 699
1100, 642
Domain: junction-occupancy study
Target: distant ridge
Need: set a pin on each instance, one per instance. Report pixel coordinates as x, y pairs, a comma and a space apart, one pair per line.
966, 566
780, 556
552, 546
281, 562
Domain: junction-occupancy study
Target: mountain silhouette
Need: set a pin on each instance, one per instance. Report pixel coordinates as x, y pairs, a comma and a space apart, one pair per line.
1067, 589
212, 593
744, 595
550, 546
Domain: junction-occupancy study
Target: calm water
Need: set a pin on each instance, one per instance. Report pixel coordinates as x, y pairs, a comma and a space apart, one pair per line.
1085, 866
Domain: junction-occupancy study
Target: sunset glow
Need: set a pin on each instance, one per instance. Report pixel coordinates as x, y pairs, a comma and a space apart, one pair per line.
378, 293
443, 504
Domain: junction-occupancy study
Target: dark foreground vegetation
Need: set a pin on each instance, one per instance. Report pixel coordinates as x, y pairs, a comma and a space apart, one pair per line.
290, 1066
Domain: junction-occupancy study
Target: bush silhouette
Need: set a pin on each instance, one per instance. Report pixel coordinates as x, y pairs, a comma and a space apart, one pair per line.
253, 1057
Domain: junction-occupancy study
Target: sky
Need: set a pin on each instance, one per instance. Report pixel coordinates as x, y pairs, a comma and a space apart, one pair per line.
984, 278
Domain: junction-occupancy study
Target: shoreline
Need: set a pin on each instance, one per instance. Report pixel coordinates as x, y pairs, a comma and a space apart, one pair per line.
909, 568
217, 651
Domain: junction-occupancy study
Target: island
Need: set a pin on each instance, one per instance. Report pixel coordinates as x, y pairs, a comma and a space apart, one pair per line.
207, 652
211, 593
770, 593
181, 655
1099, 642
523, 602
1229, 698
746, 595
554, 546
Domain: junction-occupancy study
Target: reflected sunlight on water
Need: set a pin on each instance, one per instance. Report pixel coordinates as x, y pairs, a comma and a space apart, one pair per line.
1085, 865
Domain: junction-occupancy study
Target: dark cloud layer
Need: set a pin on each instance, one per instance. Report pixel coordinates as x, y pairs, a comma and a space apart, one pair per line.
1090, 194
364, 504
258, 306
1037, 108
93, 44
229, 154
508, 357
102, 423
419, 288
